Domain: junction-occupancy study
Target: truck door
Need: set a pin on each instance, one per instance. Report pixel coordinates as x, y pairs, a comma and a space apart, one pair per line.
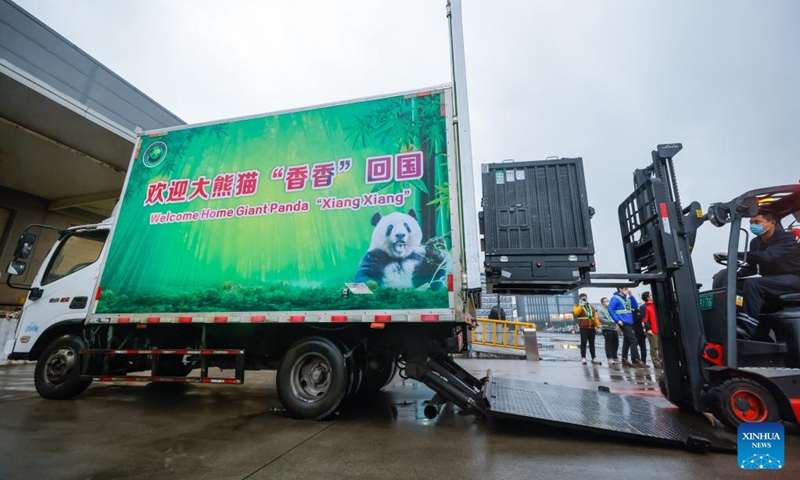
63, 288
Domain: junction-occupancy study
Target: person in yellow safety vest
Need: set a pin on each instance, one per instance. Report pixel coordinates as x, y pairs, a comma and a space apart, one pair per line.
586, 315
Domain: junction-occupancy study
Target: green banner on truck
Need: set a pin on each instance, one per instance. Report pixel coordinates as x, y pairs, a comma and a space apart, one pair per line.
282, 212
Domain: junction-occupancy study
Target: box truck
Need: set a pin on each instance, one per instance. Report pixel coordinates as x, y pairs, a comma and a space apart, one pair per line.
324, 242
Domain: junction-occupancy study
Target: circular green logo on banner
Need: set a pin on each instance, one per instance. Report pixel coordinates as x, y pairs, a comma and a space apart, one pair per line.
155, 154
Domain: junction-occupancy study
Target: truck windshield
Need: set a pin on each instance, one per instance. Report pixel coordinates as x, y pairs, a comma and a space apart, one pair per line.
75, 253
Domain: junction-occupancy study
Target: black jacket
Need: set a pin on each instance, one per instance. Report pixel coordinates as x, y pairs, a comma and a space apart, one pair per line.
638, 318
779, 255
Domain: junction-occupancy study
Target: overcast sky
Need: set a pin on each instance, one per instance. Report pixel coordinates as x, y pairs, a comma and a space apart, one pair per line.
606, 81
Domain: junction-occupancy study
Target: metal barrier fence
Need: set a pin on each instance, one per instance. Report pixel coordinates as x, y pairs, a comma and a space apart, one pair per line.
500, 333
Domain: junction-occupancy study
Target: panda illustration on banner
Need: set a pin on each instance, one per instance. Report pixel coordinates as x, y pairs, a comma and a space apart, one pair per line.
397, 257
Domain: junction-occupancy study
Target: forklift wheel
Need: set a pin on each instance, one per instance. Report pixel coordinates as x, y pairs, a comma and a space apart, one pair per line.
739, 400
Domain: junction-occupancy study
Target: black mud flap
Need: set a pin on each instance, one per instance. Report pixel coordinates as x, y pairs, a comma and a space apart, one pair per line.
626, 416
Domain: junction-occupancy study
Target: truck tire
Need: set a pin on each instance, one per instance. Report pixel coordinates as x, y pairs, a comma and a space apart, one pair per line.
56, 376
355, 373
377, 378
739, 400
313, 378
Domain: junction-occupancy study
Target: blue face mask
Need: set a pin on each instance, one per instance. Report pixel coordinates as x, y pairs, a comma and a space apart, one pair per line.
757, 229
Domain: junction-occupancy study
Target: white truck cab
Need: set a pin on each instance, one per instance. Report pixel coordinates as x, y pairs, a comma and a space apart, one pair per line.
59, 297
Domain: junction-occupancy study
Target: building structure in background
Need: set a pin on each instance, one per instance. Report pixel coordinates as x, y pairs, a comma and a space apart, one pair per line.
67, 131
548, 312
488, 300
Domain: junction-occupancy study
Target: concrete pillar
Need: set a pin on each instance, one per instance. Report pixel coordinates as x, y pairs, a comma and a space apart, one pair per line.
531, 344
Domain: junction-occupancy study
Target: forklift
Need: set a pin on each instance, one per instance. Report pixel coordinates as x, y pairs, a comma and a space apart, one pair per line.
706, 367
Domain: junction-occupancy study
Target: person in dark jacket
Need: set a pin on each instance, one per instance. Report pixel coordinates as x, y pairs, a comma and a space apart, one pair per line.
638, 328
621, 308
610, 332
774, 254
495, 314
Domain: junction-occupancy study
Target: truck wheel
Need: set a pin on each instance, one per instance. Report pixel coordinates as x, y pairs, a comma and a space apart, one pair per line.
380, 375
313, 379
354, 370
739, 400
56, 376
355, 377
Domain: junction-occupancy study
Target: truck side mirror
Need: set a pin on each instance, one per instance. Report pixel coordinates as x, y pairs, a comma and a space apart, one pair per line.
24, 246
16, 267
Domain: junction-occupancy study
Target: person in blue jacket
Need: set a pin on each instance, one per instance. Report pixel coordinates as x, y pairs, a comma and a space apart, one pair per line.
621, 308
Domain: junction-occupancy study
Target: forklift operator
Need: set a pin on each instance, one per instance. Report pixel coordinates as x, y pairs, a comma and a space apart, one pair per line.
774, 254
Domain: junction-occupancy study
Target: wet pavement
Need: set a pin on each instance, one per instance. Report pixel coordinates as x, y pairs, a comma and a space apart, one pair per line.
228, 432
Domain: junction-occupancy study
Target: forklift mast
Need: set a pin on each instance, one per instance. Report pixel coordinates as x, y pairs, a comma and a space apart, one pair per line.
658, 236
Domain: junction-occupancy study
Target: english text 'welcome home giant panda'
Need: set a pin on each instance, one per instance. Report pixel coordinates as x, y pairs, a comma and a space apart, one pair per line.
397, 257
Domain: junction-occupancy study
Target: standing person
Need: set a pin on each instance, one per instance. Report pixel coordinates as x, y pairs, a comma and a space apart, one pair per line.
497, 313
610, 333
651, 329
638, 330
586, 315
621, 309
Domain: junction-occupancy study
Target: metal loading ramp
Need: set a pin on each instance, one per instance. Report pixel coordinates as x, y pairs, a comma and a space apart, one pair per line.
625, 416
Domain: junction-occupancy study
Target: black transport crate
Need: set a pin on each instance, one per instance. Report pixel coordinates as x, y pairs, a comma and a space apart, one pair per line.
537, 235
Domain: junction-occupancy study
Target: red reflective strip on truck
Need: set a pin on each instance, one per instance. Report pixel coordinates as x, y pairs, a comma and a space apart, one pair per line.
429, 318
339, 318
124, 320
258, 319
297, 319
184, 319
97, 295
449, 282
220, 319
219, 380
664, 212
153, 320
383, 318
